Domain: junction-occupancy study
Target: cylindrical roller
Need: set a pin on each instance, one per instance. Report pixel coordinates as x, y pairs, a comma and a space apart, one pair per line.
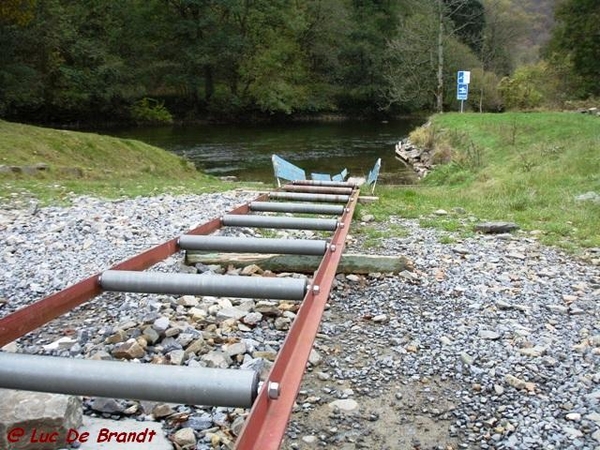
114, 379
214, 285
317, 189
302, 208
294, 223
301, 197
324, 183
252, 245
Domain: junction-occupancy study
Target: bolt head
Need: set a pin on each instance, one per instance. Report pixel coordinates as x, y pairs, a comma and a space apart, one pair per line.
273, 390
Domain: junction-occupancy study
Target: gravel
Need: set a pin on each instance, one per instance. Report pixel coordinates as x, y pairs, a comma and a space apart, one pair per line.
491, 341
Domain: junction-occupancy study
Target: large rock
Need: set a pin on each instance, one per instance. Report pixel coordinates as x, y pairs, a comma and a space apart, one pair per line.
496, 227
27, 418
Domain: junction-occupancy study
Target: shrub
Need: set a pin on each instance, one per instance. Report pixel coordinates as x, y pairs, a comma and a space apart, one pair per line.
150, 111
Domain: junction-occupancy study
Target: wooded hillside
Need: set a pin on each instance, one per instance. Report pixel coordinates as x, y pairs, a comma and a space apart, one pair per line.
155, 60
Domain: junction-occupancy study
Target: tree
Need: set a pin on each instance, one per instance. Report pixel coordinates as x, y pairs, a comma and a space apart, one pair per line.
418, 62
576, 38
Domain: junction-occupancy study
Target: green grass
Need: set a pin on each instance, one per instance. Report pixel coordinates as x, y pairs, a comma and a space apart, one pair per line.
521, 167
106, 166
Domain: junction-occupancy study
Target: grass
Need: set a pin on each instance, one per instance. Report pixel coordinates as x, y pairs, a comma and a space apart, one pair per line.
87, 163
521, 167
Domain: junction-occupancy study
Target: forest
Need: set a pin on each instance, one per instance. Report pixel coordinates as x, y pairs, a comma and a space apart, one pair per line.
158, 61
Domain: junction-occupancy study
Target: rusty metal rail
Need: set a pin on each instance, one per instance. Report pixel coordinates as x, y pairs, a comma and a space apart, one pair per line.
266, 424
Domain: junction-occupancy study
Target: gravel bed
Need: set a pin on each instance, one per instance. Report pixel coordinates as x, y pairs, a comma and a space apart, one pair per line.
490, 342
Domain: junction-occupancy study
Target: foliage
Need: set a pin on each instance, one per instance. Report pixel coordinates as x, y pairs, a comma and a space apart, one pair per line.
68, 62
576, 38
150, 111
541, 85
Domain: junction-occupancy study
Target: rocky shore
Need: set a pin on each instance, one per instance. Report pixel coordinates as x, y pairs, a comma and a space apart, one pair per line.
491, 341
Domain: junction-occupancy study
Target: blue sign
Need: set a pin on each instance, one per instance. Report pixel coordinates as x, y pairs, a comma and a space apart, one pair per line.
462, 91
464, 77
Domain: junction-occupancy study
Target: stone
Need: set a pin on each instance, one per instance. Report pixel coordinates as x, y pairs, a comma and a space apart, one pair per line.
237, 425
590, 196
37, 411
107, 405
185, 438
188, 301
352, 277
309, 439
518, 383
380, 318
151, 335
230, 313
536, 351
161, 324
251, 270
315, 358
282, 323
495, 227
162, 410
63, 342
199, 422
489, 335
197, 313
440, 212
217, 359
573, 417
195, 347
368, 218
252, 319
346, 405
129, 349
176, 357
237, 348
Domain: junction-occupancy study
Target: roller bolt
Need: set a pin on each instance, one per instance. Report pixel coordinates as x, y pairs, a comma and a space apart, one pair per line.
273, 390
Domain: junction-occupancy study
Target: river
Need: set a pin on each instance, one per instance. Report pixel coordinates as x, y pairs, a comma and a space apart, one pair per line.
244, 151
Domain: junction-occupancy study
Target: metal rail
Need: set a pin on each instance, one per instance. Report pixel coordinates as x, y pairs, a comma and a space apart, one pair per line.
265, 426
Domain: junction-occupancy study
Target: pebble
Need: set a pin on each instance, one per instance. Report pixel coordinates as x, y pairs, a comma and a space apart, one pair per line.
417, 367
480, 343
185, 438
346, 405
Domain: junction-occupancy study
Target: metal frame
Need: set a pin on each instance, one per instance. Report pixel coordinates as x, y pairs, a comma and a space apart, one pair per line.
265, 426
37, 314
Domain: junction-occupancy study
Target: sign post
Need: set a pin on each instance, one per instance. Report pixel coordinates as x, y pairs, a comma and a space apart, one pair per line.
462, 87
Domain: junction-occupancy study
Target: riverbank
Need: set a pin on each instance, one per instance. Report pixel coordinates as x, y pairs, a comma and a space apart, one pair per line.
46, 165
539, 170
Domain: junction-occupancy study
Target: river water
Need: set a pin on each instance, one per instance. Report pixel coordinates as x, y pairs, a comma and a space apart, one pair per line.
244, 151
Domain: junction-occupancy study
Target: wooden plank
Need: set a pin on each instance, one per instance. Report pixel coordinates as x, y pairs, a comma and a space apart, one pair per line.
350, 263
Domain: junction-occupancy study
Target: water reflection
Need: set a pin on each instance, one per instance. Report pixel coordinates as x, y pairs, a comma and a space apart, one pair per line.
245, 150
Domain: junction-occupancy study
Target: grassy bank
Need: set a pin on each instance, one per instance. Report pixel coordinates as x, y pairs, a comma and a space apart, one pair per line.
526, 168
87, 163
521, 167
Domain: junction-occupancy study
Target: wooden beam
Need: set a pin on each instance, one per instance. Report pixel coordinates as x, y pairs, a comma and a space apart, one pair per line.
350, 263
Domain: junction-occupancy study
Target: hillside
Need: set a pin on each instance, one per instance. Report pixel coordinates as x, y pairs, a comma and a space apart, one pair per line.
56, 162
